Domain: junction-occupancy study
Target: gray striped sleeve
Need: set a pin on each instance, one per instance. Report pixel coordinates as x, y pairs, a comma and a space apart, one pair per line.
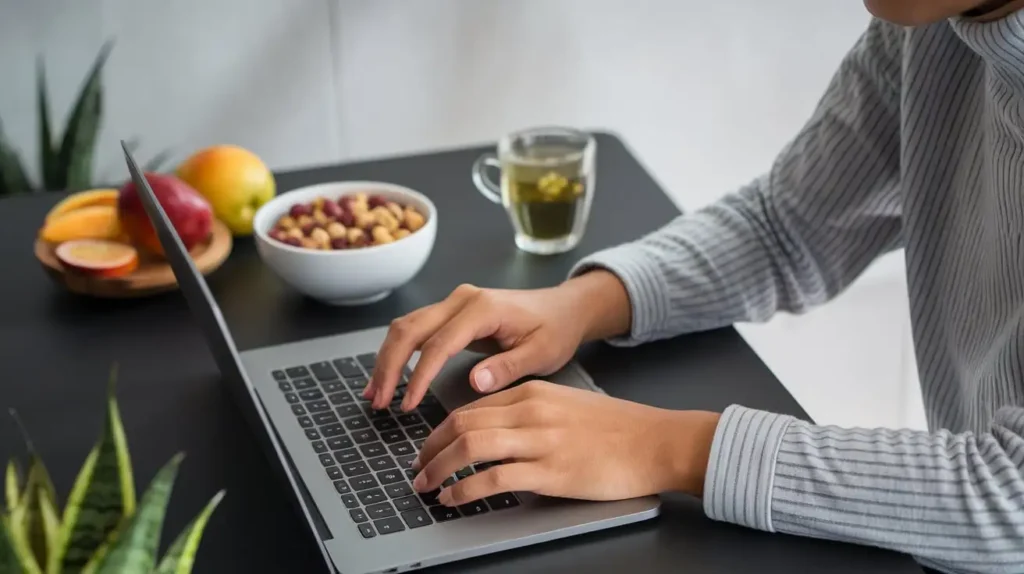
795, 237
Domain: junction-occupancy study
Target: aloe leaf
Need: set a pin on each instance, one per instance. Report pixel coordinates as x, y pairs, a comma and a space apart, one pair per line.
13, 178
134, 551
47, 155
102, 496
182, 553
12, 484
76, 149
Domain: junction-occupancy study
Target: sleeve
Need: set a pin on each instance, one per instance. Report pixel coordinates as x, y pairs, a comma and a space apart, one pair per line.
793, 238
954, 501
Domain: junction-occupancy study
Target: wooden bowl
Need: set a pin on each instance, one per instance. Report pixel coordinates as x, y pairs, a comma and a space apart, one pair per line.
154, 275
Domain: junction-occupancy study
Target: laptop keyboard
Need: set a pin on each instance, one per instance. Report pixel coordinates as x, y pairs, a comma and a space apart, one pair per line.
368, 453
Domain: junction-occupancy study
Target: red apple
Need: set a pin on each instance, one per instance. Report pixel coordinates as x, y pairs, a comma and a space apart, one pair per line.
190, 213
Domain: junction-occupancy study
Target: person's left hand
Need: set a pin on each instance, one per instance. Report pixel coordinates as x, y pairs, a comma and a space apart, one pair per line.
566, 442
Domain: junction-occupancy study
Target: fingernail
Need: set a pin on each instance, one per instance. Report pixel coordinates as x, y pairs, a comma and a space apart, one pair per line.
416, 463
484, 380
419, 482
368, 392
406, 404
445, 497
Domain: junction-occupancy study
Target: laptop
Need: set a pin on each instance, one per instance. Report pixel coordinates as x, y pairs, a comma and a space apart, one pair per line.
346, 466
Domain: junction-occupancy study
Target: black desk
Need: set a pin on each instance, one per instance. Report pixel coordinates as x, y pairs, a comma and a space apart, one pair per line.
56, 349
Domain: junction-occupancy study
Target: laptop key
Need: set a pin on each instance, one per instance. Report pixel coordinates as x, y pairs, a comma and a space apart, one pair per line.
326, 460
472, 508
319, 447
418, 432
433, 415
334, 473
296, 372
398, 489
392, 436
448, 482
332, 430
312, 434
323, 371
410, 474
367, 530
303, 384
357, 423
375, 414
410, 419
430, 498
357, 384
280, 375
401, 448
416, 518
390, 476
406, 461
340, 398
419, 443
502, 501
325, 418
364, 436
396, 407
463, 472
380, 510
298, 410
333, 387
317, 406
363, 482
407, 503
347, 456
382, 463
443, 513
292, 398
355, 469
358, 516
368, 361
389, 525
306, 422
339, 443
429, 400
373, 449
383, 424
349, 501
285, 386
349, 410
311, 394
372, 496
342, 487
348, 367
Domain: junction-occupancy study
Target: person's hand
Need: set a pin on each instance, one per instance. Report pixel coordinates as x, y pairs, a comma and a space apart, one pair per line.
566, 442
537, 332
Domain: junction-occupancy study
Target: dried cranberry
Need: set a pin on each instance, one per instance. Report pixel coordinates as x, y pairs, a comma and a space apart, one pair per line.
331, 209
376, 201
293, 241
308, 228
347, 219
339, 243
345, 204
300, 209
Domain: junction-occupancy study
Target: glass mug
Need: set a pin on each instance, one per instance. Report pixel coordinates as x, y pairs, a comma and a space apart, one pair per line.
547, 186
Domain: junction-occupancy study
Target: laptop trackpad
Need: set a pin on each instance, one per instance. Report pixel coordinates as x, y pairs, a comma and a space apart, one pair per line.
452, 386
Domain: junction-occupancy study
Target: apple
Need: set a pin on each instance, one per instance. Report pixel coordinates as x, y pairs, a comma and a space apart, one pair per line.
234, 180
189, 212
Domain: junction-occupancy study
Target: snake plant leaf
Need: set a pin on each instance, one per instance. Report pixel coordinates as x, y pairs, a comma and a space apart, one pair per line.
38, 493
19, 542
9, 561
50, 523
102, 496
13, 179
12, 484
79, 142
134, 550
182, 553
47, 155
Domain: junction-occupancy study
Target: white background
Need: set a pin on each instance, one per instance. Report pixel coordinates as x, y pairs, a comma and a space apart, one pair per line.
706, 93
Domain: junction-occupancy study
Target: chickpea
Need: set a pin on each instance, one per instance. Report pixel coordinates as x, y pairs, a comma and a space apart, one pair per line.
286, 222
321, 237
356, 236
413, 220
402, 233
365, 220
320, 217
395, 210
384, 218
305, 220
381, 235
336, 230
296, 233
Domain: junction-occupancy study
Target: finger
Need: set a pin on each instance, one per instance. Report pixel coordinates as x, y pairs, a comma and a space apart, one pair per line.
510, 477
463, 421
475, 320
501, 370
404, 336
487, 445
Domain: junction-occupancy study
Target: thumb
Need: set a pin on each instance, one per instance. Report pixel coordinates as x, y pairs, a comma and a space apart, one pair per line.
497, 372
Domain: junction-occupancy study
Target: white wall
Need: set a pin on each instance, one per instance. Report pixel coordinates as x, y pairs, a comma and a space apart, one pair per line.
705, 93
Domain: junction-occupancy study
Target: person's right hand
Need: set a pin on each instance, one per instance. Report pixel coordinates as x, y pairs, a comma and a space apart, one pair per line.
535, 331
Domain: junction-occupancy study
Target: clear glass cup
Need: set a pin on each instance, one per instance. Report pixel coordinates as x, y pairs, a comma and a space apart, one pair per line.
547, 185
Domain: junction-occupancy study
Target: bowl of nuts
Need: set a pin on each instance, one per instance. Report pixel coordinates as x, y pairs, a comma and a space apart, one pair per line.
346, 243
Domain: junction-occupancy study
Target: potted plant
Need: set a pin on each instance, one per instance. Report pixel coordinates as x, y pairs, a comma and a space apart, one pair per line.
65, 163
102, 529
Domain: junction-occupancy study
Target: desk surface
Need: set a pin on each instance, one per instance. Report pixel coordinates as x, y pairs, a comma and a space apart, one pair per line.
56, 350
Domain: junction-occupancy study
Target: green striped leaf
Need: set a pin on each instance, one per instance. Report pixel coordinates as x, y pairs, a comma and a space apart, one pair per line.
9, 561
50, 523
102, 496
38, 492
19, 541
47, 155
76, 149
182, 554
134, 551
13, 179
12, 484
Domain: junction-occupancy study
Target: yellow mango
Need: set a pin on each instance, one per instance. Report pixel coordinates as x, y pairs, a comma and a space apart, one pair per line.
83, 199
90, 222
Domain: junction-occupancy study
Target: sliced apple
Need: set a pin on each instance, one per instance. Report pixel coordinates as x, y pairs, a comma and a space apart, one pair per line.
98, 257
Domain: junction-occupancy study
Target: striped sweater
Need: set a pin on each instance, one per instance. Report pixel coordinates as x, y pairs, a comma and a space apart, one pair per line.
918, 144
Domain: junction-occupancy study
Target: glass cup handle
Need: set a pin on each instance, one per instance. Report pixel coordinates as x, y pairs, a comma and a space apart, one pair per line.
486, 185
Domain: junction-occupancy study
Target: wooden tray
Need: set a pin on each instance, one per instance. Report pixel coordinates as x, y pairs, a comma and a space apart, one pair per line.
154, 275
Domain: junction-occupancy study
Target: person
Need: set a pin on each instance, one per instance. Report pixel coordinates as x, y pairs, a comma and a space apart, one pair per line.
917, 143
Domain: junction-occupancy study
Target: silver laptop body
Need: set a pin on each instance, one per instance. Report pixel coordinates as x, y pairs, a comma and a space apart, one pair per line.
368, 522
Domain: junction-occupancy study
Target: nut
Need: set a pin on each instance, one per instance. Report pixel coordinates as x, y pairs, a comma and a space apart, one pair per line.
402, 233
365, 220
384, 217
376, 201
339, 243
356, 236
318, 203
299, 209
332, 209
308, 228
321, 237
395, 210
309, 243
286, 222
294, 242
336, 230
320, 217
413, 219
304, 220
381, 235
295, 233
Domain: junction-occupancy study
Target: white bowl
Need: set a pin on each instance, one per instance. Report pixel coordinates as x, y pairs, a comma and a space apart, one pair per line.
346, 276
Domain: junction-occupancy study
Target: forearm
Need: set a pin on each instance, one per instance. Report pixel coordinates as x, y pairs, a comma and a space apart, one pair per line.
956, 502
600, 301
